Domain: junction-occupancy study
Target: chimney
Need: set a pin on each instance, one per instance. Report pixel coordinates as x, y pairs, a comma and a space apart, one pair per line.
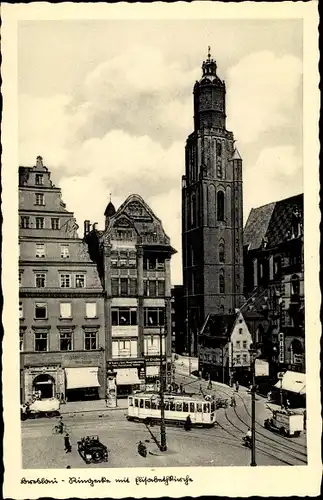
87, 226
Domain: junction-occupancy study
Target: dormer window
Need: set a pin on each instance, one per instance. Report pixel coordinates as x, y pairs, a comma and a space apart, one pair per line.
65, 253
39, 179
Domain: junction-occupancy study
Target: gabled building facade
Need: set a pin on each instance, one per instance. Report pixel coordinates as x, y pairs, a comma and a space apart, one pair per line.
61, 304
224, 343
212, 218
133, 256
274, 276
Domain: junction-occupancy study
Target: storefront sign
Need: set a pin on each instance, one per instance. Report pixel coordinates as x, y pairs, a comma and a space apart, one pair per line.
125, 363
42, 369
281, 348
152, 360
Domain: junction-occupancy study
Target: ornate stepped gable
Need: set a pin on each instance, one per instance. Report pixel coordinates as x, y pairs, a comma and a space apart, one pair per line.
135, 220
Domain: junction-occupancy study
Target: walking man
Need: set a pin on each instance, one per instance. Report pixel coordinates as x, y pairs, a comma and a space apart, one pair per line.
67, 443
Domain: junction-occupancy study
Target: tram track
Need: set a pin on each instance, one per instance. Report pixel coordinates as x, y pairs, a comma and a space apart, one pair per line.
281, 444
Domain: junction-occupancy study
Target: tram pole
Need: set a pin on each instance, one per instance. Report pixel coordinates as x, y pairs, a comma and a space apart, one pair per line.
163, 445
253, 406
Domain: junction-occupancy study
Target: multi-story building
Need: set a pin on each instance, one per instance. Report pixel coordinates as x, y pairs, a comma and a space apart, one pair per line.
274, 276
61, 297
224, 344
212, 219
178, 319
133, 257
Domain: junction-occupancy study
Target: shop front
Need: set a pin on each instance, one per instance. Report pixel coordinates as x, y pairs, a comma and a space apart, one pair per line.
152, 374
129, 376
82, 383
42, 382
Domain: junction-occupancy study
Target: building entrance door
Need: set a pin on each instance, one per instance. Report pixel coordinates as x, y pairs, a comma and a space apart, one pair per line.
46, 385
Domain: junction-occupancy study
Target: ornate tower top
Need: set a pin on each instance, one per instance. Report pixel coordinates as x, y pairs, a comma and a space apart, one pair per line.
209, 66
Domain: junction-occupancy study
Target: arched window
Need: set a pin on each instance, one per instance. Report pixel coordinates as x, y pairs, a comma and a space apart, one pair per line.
221, 282
218, 149
193, 210
221, 252
295, 284
220, 206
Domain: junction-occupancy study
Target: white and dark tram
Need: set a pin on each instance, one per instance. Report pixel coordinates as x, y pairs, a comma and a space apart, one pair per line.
145, 407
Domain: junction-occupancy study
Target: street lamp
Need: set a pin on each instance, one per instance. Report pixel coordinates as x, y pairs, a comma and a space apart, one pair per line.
253, 355
163, 445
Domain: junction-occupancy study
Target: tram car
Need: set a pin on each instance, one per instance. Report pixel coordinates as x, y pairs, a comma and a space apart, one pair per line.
145, 407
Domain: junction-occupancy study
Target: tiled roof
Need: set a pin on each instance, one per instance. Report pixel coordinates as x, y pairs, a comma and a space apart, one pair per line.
218, 325
257, 225
271, 221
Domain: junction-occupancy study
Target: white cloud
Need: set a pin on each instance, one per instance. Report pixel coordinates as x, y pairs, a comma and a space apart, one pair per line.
262, 89
126, 131
276, 174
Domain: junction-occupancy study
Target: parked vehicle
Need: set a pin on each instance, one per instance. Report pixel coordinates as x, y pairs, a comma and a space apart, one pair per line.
92, 450
145, 407
40, 408
286, 422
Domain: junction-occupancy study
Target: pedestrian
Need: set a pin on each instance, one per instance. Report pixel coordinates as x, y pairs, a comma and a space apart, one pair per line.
237, 386
181, 388
287, 404
209, 386
233, 401
61, 425
67, 443
188, 423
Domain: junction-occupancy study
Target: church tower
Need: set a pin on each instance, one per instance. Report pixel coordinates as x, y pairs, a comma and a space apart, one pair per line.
212, 218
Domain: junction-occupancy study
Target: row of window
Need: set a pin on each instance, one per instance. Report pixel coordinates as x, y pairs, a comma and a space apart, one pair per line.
121, 287
120, 347
39, 222
66, 280
154, 404
126, 316
41, 310
128, 260
40, 251
121, 316
41, 341
244, 343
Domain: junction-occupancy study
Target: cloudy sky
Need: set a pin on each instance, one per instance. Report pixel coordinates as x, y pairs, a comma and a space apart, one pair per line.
108, 104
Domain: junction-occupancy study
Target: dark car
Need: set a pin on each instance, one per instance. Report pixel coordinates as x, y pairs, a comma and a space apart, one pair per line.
92, 450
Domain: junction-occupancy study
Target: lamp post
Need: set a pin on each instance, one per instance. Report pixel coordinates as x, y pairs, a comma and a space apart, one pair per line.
253, 355
163, 445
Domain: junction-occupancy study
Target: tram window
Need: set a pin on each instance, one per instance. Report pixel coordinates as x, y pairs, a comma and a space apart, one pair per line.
136, 403
153, 405
199, 407
206, 408
179, 406
158, 405
166, 405
192, 408
185, 407
172, 406
130, 402
141, 404
147, 404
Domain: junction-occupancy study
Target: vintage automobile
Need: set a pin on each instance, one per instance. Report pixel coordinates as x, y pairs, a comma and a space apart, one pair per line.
221, 403
286, 422
40, 408
92, 450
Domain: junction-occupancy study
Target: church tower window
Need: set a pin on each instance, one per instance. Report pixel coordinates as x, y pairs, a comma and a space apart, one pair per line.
220, 206
221, 252
221, 282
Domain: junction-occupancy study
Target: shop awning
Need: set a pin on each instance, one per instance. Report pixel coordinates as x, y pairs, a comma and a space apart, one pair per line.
127, 376
152, 371
293, 382
81, 378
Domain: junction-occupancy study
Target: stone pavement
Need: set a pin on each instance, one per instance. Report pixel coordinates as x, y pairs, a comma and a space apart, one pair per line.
91, 406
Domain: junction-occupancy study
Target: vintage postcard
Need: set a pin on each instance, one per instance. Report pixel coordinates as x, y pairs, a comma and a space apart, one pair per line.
160, 250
